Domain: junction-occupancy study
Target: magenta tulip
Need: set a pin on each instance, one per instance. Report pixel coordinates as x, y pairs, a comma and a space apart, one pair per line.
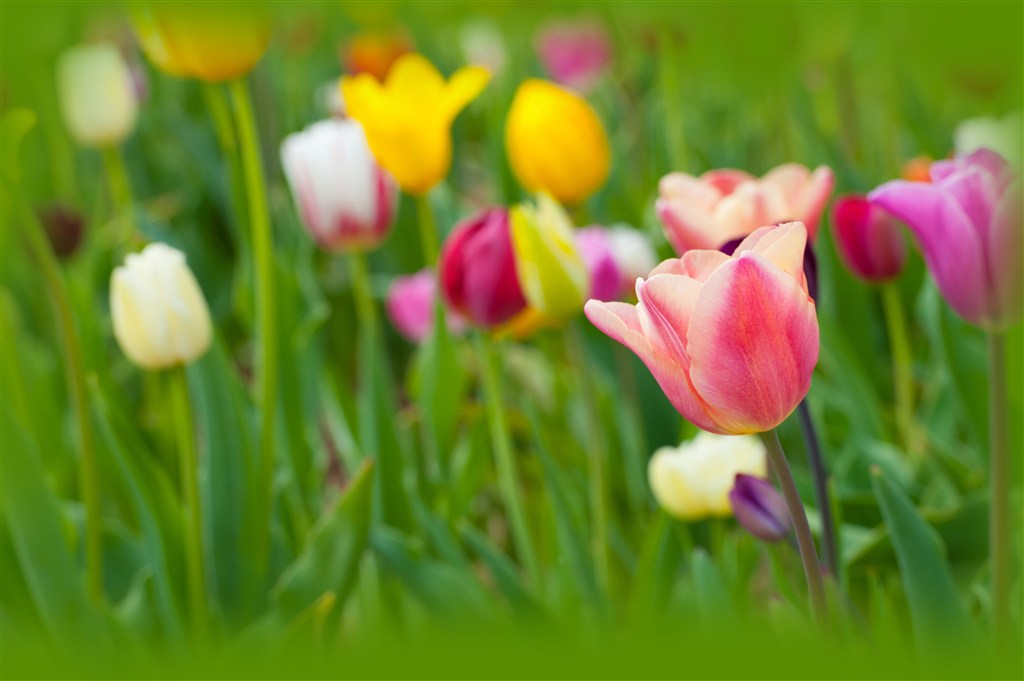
731, 340
967, 221
721, 205
410, 306
478, 270
595, 246
869, 240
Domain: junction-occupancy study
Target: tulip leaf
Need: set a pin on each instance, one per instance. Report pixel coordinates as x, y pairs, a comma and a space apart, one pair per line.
503, 571
936, 609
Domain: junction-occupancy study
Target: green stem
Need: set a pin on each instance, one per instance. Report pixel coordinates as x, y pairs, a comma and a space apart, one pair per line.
88, 473
189, 478
804, 539
504, 459
902, 367
120, 194
366, 316
999, 483
428, 230
220, 114
266, 365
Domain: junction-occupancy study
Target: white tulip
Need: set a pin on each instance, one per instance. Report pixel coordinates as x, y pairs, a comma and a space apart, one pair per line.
1001, 135
693, 480
97, 96
160, 316
346, 200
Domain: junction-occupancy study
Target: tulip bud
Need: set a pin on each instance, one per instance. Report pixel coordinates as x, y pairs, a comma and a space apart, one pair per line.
551, 271
375, 53
633, 254
64, 228
159, 313
692, 481
478, 269
759, 508
1001, 135
916, 169
574, 53
97, 96
869, 240
556, 143
347, 201
483, 45
595, 246
410, 306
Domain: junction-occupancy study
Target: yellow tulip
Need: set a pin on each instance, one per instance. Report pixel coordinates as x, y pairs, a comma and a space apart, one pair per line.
408, 117
550, 268
209, 41
556, 143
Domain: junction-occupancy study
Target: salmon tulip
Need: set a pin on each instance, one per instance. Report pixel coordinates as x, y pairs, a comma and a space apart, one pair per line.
731, 340
967, 221
721, 205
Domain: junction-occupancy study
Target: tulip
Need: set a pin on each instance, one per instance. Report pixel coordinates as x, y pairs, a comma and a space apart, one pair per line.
478, 270
759, 507
64, 228
410, 306
720, 205
693, 481
574, 53
408, 117
159, 313
810, 264
869, 240
210, 41
633, 254
1001, 135
375, 53
97, 96
550, 268
916, 169
556, 143
595, 246
347, 201
968, 223
731, 340
483, 45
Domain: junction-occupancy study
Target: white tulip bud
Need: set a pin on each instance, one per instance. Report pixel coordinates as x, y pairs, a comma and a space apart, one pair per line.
97, 96
693, 481
160, 316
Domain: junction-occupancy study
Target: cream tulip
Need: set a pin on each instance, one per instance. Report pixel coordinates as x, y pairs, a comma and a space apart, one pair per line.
160, 316
97, 99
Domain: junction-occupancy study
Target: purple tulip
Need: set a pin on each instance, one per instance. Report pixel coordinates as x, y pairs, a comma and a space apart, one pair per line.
967, 221
759, 508
596, 248
869, 241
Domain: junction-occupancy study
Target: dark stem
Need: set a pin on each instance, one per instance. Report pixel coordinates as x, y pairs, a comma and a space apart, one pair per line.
820, 473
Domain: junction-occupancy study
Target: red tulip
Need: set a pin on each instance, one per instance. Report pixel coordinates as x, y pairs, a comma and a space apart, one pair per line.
869, 240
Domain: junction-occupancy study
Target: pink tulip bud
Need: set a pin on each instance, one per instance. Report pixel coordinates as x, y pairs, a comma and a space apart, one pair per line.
596, 248
721, 205
478, 269
869, 240
346, 200
967, 221
759, 508
574, 53
410, 305
731, 340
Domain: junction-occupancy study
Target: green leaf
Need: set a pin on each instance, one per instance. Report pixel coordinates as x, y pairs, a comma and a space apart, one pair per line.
937, 612
503, 571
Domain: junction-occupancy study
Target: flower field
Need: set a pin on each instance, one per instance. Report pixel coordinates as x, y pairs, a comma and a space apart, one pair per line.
473, 340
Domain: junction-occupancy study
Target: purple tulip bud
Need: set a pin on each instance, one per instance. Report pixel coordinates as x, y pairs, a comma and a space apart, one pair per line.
759, 507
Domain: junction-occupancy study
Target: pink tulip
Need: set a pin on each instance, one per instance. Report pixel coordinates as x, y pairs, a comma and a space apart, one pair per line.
721, 205
574, 53
410, 306
869, 240
731, 340
967, 221
596, 248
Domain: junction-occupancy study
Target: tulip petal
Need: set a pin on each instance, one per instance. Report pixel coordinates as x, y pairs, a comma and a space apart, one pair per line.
416, 80
463, 87
695, 192
951, 244
725, 180
782, 245
666, 303
752, 344
686, 226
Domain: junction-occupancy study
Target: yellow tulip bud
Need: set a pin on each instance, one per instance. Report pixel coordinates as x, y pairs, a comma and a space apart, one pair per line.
556, 143
550, 268
408, 117
96, 96
211, 41
159, 313
692, 481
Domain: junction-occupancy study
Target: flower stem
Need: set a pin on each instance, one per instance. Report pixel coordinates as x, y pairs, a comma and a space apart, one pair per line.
999, 483
74, 365
266, 365
189, 480
820, 473
902, 367
504, 458
428, 230
366, 314
804, 539
220, 114
120, 194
